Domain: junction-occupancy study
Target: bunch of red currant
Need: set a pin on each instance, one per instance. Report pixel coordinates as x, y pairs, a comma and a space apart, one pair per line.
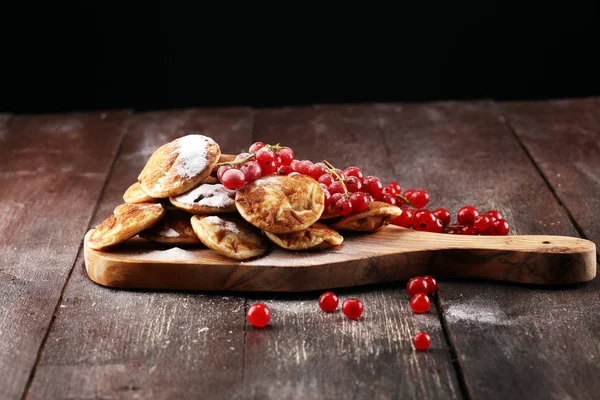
350, 191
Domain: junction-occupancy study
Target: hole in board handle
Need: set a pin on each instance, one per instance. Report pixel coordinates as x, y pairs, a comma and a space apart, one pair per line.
546, 242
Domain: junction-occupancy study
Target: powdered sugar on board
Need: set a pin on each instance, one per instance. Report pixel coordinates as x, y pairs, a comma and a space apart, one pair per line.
209, 196
173, 254
485, 313
193, 150
169, 232
227, 225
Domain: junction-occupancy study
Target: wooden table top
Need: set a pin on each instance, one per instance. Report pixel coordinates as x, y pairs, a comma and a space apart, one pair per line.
62, 336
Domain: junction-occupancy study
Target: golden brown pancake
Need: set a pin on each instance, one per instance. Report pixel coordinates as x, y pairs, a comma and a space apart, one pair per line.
179, 166
210, 180
316, 236
174, 228
373, 218
281, 204
135, 194
229, 235
207, 200
127, 221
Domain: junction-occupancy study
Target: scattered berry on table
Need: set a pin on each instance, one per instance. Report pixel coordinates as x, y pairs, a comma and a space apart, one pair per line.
420, 303
258, 315
328, 302
417, 285
421, 341
432, 284
352, 308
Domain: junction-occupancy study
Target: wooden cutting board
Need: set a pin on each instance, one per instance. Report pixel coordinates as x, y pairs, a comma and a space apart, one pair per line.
392, 254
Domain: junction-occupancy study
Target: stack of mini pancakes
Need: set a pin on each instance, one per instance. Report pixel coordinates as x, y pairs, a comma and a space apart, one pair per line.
178, 201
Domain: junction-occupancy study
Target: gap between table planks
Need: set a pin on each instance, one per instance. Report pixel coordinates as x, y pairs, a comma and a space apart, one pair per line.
40, 222
114, 343
508, 338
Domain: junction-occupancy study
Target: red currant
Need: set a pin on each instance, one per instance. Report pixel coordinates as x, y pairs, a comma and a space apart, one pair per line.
317, 171
438, 227
405, 219
233, 179
265, 156
469, 230
344, 206
352, 308
256, 147
499, 228
432, 285
467, 215
340, 174
420, 303
277, 160
443, 215
424, 220
417, 285
482, 223
359, 201
259, 315
421, 341
495, 214
335, 197
418, 198
326, 196
303, 167
251, 170
285, 170
241, 156
222, 170
286, 155
270, 169
388, 198
389, 190
328, 302
396, 187
336, 187
373, 186
353, 184
354, 171
326, 179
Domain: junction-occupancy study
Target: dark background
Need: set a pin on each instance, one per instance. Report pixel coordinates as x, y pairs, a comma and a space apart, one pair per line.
72, 56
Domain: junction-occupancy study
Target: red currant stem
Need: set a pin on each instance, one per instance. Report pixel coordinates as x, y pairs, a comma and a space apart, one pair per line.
275, 148
407, 201
455, 226
331, 170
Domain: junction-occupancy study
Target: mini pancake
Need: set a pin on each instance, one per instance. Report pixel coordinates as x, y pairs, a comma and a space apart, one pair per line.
281, 204
373, 218
174, 228
229, 235
179, 166
316, 236
135, 194
206, 200
127, 221
211, 180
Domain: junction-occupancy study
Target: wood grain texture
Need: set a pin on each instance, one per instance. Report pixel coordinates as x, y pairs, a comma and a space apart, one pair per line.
510, 338
563, 138
134, 344
311, 355
52, 170
392, 254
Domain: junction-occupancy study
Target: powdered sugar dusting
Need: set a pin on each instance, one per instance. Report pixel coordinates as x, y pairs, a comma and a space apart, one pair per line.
173, 254
209, 195
227, 225
483, 314
170, 232
192, 155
